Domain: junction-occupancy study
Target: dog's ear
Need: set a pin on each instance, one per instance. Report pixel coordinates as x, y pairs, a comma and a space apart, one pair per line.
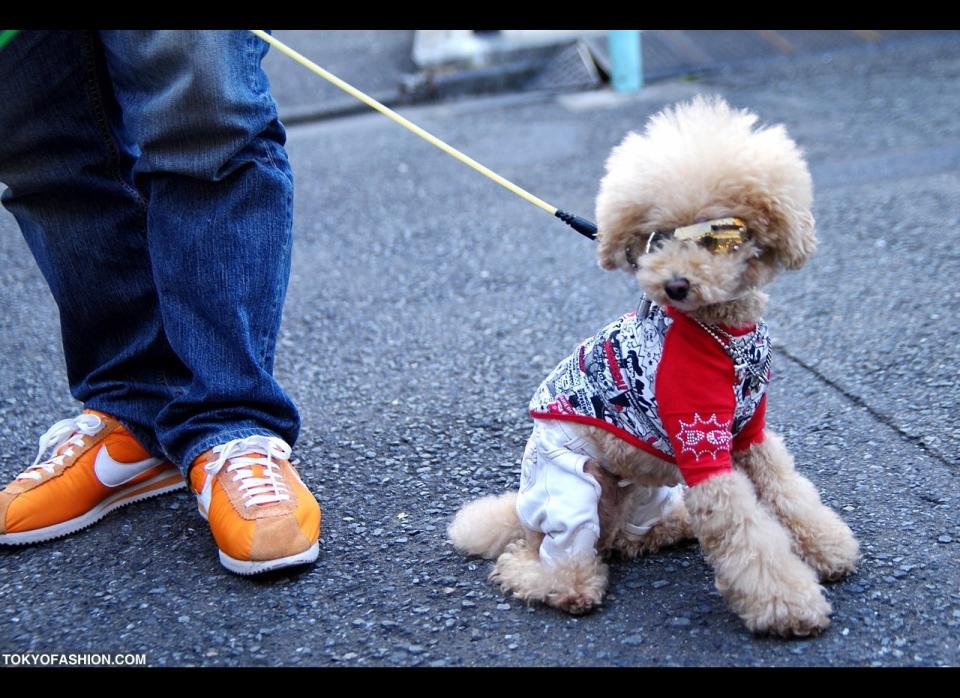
612, 251
615, 234
782, 194
621, 214
788, 233
799, 242
778, 200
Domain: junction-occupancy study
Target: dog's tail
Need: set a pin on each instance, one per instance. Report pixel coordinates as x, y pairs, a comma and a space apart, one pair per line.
485, 526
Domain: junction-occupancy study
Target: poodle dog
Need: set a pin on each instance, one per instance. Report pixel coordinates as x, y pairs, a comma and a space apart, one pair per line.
653, 430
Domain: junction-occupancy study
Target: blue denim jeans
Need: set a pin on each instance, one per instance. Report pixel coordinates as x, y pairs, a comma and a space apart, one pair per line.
147, 172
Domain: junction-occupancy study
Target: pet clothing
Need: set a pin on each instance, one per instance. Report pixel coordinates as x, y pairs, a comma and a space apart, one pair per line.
660, 382
560, 500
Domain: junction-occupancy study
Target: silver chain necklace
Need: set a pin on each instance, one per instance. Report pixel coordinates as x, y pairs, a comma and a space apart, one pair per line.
741, 360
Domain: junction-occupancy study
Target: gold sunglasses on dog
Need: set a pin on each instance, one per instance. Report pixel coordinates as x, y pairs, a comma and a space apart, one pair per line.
719, 236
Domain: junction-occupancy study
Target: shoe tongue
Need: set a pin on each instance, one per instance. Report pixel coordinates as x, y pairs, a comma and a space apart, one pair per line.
102, 415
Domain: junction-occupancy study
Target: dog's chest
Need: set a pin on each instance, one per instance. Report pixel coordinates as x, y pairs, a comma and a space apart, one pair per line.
612, 378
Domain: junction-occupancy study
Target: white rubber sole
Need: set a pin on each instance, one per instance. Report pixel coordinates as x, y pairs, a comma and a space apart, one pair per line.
248, 567
120, 499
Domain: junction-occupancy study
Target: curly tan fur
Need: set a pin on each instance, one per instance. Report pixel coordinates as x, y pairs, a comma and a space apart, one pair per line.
758, 574
824, 541
767, 536
576, 587
704, 160
676, 527
616, 505
485, 526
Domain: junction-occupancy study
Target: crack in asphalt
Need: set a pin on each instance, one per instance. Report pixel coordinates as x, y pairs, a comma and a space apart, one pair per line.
916, 441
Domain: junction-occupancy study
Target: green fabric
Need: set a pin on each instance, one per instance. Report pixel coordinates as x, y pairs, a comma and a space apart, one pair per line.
6, 35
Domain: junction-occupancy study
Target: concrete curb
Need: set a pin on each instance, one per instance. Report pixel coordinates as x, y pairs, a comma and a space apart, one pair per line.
550, 67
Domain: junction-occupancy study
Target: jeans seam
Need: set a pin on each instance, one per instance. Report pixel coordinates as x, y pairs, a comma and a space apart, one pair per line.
255, 81
278, 300
100, 118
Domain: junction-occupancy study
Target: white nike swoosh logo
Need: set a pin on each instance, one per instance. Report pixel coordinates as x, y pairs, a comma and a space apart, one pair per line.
113, 473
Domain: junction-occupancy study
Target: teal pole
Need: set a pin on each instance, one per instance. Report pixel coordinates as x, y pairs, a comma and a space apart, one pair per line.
626, 59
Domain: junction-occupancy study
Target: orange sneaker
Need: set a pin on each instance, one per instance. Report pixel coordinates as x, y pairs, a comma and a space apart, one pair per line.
261, 514
96, 466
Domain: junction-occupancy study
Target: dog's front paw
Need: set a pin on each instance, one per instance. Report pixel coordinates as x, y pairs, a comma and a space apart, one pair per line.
831, 549
788, 613
779, 595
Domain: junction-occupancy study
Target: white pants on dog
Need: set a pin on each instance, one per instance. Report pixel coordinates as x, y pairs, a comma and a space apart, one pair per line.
560, 500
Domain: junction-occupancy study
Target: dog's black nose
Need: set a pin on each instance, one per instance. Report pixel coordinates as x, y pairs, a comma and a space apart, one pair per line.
677, 289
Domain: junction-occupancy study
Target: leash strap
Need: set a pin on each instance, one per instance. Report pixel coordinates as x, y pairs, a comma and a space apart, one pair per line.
581, 225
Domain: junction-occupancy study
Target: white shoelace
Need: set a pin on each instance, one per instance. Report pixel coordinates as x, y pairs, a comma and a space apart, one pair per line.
267, 489
66, 431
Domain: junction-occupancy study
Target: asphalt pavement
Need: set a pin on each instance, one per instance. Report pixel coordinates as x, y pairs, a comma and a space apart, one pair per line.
374, 60
425, 306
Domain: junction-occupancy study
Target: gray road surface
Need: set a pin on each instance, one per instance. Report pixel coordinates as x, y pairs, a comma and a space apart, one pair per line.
425, 306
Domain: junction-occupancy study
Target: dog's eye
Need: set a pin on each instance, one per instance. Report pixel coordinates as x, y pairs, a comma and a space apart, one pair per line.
635, 248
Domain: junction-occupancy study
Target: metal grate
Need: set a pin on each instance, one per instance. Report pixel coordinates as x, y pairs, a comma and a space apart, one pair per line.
570, 67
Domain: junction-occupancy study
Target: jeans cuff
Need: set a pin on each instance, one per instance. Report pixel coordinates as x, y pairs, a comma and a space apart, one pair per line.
146, 439
221, 437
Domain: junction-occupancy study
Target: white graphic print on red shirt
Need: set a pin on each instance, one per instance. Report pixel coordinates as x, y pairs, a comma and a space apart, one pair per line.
664, 385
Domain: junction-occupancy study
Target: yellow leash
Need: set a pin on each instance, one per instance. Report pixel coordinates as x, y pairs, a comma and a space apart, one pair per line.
581, 225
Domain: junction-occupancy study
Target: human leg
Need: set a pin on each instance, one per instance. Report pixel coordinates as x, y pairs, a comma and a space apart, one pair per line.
213, 168
219, 229
67, 163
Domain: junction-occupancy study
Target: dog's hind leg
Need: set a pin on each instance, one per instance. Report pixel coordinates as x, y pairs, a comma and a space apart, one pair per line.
636, 519
822, 538
756, 570
659, 519
575, 585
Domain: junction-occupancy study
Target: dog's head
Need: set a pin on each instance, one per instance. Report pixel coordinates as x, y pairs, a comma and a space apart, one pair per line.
703, 161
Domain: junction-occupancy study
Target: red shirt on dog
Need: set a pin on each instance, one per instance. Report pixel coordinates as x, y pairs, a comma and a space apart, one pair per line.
663, 384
